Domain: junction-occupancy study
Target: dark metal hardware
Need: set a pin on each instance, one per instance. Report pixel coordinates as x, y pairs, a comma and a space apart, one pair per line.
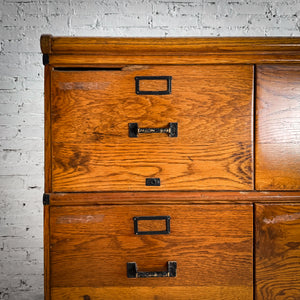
45, 59
149, 218
132, 271
166, 92
46, 199
134, 130
152, 181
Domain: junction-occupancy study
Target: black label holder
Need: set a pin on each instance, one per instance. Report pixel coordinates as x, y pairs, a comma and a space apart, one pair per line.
149, 218
165, 92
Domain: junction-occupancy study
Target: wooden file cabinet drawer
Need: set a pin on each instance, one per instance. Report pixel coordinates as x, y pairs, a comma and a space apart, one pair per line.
277, 251
278, 127
211, 244
91, 112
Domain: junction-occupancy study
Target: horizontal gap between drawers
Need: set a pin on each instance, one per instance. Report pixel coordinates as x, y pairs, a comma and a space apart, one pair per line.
86, 69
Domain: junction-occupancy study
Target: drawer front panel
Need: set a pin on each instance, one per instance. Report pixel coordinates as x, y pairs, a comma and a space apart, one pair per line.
212, 246
277, 252
278, 127
91, 112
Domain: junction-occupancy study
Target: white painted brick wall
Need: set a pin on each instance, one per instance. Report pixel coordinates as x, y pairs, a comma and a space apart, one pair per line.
21, 95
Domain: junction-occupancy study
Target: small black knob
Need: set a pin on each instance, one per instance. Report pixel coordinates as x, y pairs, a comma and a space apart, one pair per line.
152, 182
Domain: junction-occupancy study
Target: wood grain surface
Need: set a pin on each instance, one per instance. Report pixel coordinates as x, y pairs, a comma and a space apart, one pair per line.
277, 252
211, 104
141, 198
203, 59
47, 271
93, 51
150, 293
167, 46
278, 127
47, 130
212, 245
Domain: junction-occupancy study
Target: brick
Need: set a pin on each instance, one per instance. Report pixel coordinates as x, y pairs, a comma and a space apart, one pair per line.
7, 83
27, 45
249, 8
21, 268
25, 220
24, 20
95, 8
185, 32
136, 7
210, 9
225, 21
288, 22
24, 119
118, 20
22, 144
59, 25
288, 9
142, 32
31, 131
23, 169
178, 22
32, 8
159, 8
11, 182
31, 107
83, 21
7, 108
186, 9
33, 84
8, 132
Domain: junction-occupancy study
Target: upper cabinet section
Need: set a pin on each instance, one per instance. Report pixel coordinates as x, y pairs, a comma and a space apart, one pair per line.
171, 114
152, 128
75, 51
278, 127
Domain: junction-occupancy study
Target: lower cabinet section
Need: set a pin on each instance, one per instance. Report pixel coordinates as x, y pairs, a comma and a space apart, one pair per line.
151, 252
175, 251
277, 252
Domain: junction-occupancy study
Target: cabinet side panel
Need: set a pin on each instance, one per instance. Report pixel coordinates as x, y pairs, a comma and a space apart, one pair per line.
47, 129
277, 251
278, 127
46, 252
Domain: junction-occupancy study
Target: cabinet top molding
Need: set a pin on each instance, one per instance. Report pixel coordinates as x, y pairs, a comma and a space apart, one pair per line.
191, 50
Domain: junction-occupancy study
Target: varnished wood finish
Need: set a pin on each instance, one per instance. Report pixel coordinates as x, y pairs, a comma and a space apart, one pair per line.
208, 183
167, 46
70, 51
243, 197
155, 292
278, 128
47, 130
46, 41
98, 60
277, 252
212, 246
211, 104
46, 252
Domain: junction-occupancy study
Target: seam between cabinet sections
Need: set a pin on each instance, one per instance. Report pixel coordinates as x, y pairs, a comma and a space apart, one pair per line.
254, 128
254, 251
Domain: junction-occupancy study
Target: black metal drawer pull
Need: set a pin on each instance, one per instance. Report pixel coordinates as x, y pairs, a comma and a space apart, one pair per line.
165, 92
132, 271
134, 130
